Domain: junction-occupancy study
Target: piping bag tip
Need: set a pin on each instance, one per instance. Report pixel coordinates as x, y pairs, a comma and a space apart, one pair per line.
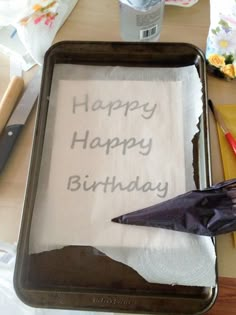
117, 220
121, 219
207, 212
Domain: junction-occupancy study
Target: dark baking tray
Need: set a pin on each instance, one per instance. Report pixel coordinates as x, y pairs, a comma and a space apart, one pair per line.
80, 277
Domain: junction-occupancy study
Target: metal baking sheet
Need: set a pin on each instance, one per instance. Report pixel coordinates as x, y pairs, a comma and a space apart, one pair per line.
81, 277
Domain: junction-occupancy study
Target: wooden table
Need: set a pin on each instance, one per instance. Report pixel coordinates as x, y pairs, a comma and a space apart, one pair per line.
99, 20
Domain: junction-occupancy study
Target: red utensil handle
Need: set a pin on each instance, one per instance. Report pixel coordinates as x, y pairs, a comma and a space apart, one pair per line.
231, 141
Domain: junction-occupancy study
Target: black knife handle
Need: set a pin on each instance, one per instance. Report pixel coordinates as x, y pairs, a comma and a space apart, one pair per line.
7, 141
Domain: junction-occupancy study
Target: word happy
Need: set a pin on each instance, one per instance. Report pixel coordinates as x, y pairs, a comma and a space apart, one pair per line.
147, 110
143, 145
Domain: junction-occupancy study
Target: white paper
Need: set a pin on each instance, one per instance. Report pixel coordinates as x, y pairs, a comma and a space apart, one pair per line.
12, 46
126, 134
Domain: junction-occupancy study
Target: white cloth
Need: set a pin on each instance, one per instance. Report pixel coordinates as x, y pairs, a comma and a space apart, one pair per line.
221, 40
181, 3
36, 22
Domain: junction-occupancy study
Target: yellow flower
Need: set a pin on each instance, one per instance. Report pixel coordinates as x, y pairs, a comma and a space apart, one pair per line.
229, 70
216, 60
37, 7
223, 43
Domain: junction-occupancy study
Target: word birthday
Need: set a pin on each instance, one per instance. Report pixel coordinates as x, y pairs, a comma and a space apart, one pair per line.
147, 110
111, 184
144, 146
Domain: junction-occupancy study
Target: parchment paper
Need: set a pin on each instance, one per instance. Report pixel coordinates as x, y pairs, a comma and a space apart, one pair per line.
119, 139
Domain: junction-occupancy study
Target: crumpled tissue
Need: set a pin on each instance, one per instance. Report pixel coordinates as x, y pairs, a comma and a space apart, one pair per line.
221, 41
36, 22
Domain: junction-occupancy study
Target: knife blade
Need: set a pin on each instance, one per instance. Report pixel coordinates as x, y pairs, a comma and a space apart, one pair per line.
18, 119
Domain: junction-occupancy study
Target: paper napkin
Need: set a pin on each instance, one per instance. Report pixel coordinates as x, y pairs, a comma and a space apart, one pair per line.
36, 23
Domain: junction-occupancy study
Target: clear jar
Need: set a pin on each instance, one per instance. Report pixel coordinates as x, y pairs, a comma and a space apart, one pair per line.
141, 20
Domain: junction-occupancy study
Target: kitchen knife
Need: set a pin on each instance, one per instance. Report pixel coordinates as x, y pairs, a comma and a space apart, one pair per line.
18, 119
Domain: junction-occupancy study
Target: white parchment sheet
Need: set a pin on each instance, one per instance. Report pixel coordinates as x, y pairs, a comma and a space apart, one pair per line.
119, 139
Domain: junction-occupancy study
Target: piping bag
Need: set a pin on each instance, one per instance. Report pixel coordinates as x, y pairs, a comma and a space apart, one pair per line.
209, 212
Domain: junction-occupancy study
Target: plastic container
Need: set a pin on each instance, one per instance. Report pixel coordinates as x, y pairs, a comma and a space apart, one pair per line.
141, 20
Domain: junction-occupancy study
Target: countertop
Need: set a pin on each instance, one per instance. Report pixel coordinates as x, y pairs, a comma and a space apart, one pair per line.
99, 20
